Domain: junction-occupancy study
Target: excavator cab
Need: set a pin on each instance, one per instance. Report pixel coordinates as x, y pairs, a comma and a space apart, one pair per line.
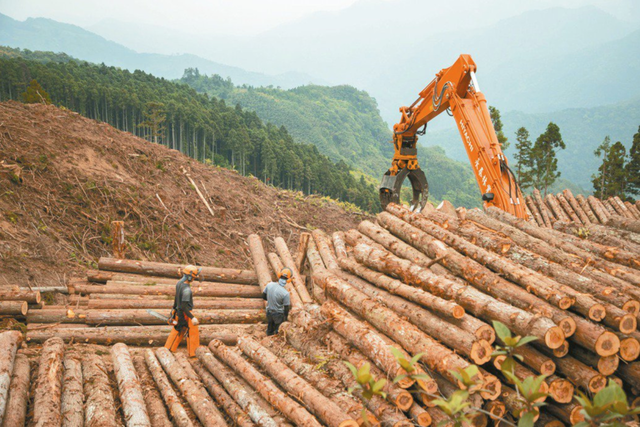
391, 186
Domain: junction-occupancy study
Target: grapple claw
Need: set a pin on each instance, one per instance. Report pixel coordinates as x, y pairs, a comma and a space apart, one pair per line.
391, 186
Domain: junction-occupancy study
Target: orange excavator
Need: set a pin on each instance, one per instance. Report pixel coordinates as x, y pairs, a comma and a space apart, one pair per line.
455, 90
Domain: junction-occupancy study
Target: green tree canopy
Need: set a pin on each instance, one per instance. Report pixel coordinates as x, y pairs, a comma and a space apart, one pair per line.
545, 170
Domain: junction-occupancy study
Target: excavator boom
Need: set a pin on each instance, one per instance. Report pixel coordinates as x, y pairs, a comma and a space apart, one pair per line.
455, 89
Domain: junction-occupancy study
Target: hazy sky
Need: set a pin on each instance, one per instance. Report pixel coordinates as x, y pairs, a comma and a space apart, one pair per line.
197, 16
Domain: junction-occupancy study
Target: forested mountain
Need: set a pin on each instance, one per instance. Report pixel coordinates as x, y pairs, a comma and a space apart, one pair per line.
49, 35
345, 124
175, 115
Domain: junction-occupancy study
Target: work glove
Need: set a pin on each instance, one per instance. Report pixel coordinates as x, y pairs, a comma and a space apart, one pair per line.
195, 321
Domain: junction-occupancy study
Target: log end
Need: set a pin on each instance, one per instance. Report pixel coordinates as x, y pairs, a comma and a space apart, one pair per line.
607, 344
629, 349
566, 302
561, 390
628, 324
429, 386
632, 306
370, 421
24, 308
554, 337
458, 312
486, 333
423, 419
568, 326
496, 408
405, 382
548, 368
479, 420
561, 351
597, 383
597, 312
404, 400
481, 352
609, 365
349, 423
491, 387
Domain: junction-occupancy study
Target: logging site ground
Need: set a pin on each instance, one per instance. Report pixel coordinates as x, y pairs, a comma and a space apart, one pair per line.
456, 317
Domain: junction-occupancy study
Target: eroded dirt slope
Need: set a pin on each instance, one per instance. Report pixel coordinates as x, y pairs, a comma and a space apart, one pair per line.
64, 178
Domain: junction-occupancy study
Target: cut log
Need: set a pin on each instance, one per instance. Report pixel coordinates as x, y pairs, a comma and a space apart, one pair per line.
544, 211
263, 385
301, 257
118, 243
580, 374
235, 388
584, 204
599, 234
195, 394
629, 347
621, 207
631, 374
15, 293
535, 360
235, 412
395, 394
100, 408
601, 283
219, 290
260, 263
605, 365
276, 264
387, 414
321, 406
598, 209
479, 351
177, 411
330, 387
570, 413
535, 212
420, 415
324, 248
521, 372
9, 343
627, 224
14, 308
575, 205
573, 216
130, 335
447, 389
155, 407
479, 304
201, 304
48, 394
72, 407
561, 390
15, 411
133, 404
142, 317
555, 207
514, 403
561, 351
226, 275
297, 282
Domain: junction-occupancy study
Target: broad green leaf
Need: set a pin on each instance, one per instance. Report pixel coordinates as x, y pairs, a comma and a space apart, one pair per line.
378, 385
399, 378
501, 330
604, 397
417, 357
526, 340
511, 341
508, 365
527, 419
364, 373
352, 368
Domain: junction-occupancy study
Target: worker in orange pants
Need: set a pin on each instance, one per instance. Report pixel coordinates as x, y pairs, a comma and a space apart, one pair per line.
182, 318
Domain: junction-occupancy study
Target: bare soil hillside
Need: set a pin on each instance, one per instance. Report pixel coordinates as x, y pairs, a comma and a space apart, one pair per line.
64, 178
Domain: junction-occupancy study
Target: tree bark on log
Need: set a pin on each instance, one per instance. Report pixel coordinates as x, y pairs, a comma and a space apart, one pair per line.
72, 406
627, 224
535, 212
301, 257
556, 208
9, 343
321, 406
48, 394
544, 211
263, 385
235, 388
130, 335
631, 374
575, 205
233, 410
395, 394
15, 293
438, 305
584, 204
557, 240
153, 400
570, 413
479, 351
142, 317
220, 290
297, 282
607, 365
215, 274
599, 234
598, 209
600, 279
275, 262
260, 263
15, 410
535, 360
386, 413
479, 304
14, 308
133, 404
202, 304
177, 411
420, 415
580, 374
324, 248
99, 408
118, 244
521, 372
573, 216
623, 207
195, 394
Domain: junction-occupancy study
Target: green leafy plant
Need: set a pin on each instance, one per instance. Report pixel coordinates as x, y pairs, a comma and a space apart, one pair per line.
456, 407
511, 343
609, 407
366, 382
467, 377
410, 366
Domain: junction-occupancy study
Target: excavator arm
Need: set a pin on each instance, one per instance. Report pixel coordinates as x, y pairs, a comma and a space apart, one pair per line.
454, 89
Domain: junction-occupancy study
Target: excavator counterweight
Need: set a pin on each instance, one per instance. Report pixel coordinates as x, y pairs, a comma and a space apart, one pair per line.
454, 89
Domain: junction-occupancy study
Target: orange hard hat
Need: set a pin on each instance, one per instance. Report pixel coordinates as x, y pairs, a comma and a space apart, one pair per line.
191, 270
286, 273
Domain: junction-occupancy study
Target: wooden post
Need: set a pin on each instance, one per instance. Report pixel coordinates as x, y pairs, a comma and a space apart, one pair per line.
118, 244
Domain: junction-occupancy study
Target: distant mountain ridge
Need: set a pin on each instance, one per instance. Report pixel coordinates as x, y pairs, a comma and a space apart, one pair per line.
49, 35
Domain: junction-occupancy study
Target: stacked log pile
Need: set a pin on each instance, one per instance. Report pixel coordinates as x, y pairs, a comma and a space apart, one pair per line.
111, 305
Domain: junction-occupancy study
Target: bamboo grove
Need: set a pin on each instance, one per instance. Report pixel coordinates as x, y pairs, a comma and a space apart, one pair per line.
175, 115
